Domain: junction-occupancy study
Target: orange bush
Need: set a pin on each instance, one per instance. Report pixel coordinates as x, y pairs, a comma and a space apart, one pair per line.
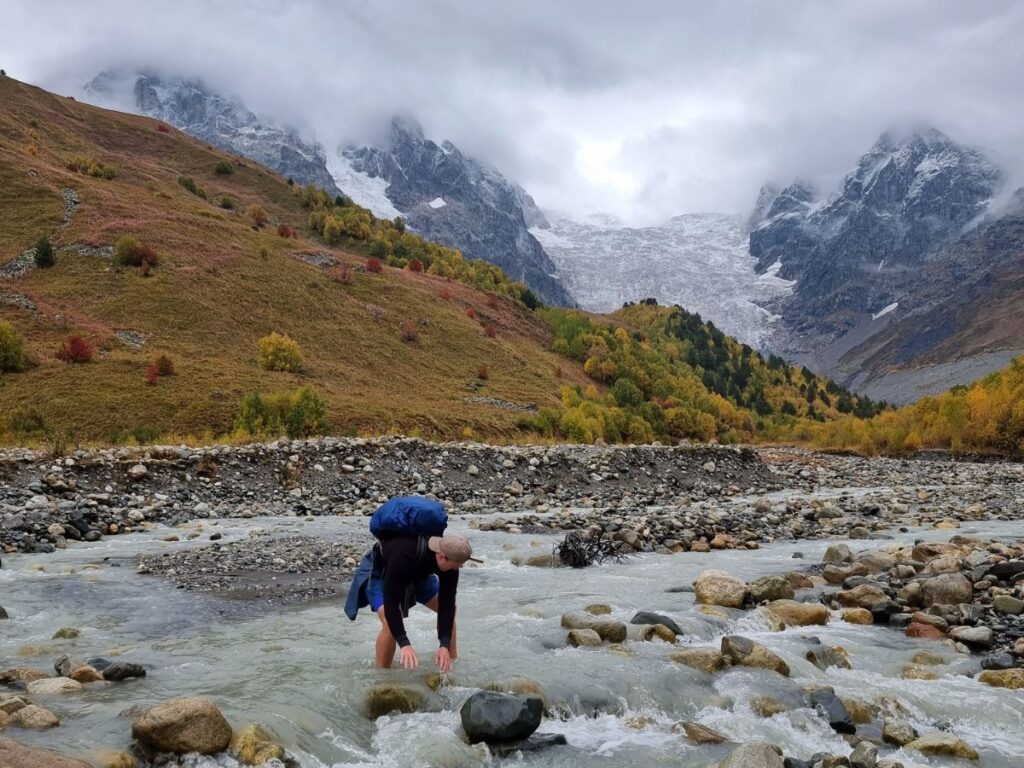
483, 372
343, 275
163, 128
75, 350
152, 375
471, 313
446, 293
491, 331
256, 215
374, 265
415, 266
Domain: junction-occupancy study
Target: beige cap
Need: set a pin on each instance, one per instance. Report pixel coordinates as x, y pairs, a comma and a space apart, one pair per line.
455, 548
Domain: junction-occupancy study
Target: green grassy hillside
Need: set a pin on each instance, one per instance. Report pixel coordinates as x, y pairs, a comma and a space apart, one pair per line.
220, 285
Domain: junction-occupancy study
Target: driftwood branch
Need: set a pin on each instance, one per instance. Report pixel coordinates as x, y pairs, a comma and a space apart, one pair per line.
579, 551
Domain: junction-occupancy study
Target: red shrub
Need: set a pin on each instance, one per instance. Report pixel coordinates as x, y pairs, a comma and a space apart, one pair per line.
343, 275
285, 231
374, 265
164, 366
152, 375
483, 372
492, 302
72, 167
415, 265
491, 331
163, 128
75, 350
146, 256
446, 293
409, 332
471, 313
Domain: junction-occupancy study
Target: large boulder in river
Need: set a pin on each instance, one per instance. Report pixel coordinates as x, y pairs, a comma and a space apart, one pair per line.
746, 653
943, 745
395, 697
190, 724
53, 685
1003, 678
719, 588
647, 617
756, 754
769, 588
15, 755
947, 589
862, 596
490, 716
834, 711
795, 614
34, 718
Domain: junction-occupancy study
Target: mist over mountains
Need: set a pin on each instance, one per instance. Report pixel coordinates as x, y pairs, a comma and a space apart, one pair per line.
825, 278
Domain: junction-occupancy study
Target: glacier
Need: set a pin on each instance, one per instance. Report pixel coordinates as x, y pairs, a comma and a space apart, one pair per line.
700, 261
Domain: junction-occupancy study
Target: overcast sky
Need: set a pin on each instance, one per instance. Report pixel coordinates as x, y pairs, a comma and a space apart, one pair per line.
645, 109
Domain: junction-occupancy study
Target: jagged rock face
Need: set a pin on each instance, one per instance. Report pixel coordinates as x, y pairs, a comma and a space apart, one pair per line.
189, 106
457, 200
893, 270
850, 253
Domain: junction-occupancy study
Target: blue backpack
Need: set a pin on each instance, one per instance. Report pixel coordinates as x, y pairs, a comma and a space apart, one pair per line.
412, 515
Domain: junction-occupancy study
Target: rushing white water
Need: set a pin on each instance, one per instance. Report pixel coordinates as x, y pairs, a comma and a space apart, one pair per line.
303, 672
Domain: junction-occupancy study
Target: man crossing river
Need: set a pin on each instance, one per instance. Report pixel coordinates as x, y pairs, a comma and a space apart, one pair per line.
407, 566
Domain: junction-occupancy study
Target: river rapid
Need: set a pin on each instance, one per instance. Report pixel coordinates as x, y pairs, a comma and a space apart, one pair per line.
303, 672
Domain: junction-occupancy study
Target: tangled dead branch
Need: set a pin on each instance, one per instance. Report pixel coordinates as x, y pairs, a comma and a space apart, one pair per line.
579, 551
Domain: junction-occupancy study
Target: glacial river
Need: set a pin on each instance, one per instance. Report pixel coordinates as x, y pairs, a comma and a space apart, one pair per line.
303, 672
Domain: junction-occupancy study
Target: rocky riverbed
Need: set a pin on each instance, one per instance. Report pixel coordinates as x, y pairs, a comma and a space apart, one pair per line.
779, 608
91, 494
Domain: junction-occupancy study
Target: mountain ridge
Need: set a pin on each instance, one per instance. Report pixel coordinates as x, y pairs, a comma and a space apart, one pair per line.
488, 215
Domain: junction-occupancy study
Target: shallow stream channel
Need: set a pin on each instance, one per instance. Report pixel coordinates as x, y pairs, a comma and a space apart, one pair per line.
303, 672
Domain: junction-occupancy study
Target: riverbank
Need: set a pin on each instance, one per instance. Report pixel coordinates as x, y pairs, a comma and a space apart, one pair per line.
237, 606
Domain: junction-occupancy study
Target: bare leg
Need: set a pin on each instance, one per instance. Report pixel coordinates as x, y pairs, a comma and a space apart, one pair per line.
386, 645
453, 649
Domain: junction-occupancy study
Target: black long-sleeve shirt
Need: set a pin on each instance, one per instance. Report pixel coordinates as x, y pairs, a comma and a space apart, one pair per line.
402, 570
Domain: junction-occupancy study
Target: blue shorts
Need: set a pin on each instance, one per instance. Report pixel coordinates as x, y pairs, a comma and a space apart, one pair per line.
425, 589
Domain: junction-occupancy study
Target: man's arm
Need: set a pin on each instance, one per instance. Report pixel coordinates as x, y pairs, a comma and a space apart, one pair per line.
446, 606
398, 575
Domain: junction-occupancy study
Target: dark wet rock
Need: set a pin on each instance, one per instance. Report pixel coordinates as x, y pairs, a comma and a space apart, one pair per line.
1001, 660
3, 613
647, 617
99, 663
123, 671
500, 717
535, 743
834, 711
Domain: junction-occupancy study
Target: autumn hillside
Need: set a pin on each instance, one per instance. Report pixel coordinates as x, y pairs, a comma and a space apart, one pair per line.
206, 278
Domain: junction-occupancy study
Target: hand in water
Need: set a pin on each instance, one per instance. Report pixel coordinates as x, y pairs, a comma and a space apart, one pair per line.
443, 659
409, 659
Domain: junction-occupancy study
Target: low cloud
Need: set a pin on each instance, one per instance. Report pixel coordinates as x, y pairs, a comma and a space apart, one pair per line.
645, 109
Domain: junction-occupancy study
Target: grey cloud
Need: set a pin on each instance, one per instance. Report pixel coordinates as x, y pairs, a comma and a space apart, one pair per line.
648, 108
